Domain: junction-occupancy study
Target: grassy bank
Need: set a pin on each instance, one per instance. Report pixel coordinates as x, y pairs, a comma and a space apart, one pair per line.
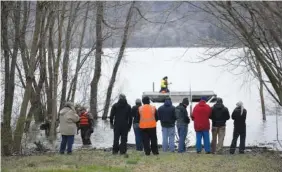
84, 161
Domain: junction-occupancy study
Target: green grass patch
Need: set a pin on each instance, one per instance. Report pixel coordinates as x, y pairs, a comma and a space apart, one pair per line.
85, 161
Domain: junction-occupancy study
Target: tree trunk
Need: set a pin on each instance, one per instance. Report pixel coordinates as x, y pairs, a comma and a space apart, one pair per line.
262, 102
6, 131
98, 63
29, 79
66, 53
120, 56
36, 109
79, 54
56, 74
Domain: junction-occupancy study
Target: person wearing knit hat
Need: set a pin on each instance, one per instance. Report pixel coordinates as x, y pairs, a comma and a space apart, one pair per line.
220, 115
120, 121
137, 131
239, 116
200, 115
147, 118
182, 121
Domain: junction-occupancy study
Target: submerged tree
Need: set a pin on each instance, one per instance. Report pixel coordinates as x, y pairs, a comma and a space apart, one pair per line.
118, 61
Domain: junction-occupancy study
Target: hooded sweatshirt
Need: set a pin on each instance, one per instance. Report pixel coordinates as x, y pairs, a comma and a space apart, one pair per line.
220, 115
121, 114
167, 114
200, 115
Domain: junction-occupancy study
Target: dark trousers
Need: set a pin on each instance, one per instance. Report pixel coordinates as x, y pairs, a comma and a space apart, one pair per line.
121, 133
150, 135
66, 140
182, 134
138, 137
85, 132
164, 89
236, 133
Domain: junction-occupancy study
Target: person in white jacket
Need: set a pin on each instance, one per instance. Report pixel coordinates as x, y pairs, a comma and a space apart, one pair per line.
68, 128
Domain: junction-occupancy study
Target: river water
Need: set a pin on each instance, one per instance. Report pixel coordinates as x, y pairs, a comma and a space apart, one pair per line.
142, 67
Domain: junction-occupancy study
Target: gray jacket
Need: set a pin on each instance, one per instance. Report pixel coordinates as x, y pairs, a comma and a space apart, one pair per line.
68, 120
181, 114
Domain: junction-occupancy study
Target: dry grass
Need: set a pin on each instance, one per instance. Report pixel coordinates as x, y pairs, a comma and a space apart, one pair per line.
83, 161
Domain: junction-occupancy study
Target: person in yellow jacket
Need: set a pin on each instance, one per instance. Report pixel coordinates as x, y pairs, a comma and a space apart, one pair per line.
164, 85
147, 118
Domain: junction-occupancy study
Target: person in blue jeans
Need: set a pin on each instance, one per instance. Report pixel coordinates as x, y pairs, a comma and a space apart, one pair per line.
167, 117
200, 115
137, 131
182, 121
68, 127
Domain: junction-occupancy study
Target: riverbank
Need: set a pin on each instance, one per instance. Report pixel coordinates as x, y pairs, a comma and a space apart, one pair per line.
99, 160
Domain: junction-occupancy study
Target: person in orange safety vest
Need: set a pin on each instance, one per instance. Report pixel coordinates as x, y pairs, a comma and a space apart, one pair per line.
85, 125
147, 118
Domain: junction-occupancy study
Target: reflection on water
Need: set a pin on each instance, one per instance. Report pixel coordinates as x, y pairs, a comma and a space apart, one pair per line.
259, 133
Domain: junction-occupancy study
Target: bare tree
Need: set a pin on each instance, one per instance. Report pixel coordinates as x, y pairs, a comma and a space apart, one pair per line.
261, 33
29, 78
6, 132
73, 13
116, 66
55, 74
98, 61
78, 62
257, 26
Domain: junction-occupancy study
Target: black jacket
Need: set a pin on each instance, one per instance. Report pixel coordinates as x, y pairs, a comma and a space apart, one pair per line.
181, 115
220, 115
121, 114
239, 120
134, 113
167, 114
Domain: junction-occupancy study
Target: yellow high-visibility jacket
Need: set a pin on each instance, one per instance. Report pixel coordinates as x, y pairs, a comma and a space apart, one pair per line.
163, 84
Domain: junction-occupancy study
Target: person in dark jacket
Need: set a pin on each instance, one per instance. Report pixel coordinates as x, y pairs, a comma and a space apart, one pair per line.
121, 122
182, 121
167, 117
239, 116
219, 116
147, 119
200, 115
137, 131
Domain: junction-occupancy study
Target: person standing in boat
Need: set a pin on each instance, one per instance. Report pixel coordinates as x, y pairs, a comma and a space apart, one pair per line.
164, 85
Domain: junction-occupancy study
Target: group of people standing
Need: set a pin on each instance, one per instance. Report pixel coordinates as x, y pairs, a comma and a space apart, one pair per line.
144, 117
173, 118
72, 119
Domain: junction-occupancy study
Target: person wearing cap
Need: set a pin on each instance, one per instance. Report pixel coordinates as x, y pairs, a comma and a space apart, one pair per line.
68, 119
164, 85
200, 115
167, 117
182, 121
239, 116
147, 118
120, 121
219, 116
137, 131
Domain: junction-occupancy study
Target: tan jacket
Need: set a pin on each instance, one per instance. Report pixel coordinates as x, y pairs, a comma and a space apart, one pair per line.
68, 120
